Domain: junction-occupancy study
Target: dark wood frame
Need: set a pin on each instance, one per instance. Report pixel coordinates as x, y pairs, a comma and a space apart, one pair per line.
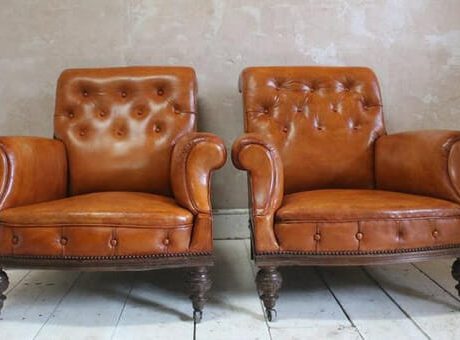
269, 279
199, 281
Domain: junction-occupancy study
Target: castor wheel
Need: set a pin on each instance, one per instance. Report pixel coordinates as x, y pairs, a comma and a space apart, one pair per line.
271, 315
197, 316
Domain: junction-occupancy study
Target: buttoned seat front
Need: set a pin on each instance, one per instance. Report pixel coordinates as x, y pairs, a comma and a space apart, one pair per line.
364, 221
97, 224
123, 185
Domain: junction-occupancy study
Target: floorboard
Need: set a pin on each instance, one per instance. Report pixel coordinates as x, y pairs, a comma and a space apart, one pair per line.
434, 310
410, 301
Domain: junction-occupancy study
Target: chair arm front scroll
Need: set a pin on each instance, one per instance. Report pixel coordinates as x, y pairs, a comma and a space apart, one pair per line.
420, 162
32, 170
254, 154
194, 158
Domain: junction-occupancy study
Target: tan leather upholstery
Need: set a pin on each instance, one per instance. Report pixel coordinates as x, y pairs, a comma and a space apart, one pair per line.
127, 174
364, 221
315, 150
107, 223
323, 121
119, 125
420, 162
32, 170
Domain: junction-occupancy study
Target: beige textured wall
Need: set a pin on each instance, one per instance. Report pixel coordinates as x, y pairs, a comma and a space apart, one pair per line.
413, 45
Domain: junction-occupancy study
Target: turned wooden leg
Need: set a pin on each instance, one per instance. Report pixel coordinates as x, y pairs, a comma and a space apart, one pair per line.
268, 282
4, 283
456, 273
200, 283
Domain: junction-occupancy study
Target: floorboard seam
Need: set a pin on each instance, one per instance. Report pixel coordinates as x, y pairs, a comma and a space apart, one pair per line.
320, 275
373, 279
58, 304
436, 283
121, 311
17, 283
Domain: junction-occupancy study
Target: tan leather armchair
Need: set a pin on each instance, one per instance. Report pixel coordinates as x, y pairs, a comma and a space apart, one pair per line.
327, 186
124, 185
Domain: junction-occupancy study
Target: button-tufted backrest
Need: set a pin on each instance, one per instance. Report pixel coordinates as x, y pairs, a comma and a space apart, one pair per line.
119, 125
323, 121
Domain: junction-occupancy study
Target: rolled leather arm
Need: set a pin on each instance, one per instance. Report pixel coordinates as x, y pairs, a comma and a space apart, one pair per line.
32, 170
194, 157
259, 157
420, 162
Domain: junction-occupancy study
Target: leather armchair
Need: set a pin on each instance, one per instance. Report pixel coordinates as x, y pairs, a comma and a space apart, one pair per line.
124, 185
328, 186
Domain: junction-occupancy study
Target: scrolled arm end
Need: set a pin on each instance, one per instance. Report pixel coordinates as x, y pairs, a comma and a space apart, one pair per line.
195, 156
260, 158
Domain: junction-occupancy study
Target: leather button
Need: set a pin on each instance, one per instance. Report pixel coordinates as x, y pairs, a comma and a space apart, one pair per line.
160, 92
15, 239
265, 110
102, 114
85, 93
317, 236
124, 94
119, 132
166, 241
140, 113
82, 133
359, 235
113, 242
157, 129
71, 115
435, 233
285, 129
299, 109
64, 241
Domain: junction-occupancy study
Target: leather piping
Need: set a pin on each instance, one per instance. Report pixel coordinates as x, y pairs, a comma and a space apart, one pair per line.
5, 184
449, 161
357, 253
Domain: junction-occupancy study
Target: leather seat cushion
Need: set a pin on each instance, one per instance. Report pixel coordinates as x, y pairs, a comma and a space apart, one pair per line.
365, 221
97, 224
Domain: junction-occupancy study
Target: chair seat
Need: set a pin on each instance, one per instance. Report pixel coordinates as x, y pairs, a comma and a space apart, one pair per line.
97, 224
365, 221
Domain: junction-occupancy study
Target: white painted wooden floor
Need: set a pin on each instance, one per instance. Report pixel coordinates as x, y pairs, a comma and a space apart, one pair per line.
388, 302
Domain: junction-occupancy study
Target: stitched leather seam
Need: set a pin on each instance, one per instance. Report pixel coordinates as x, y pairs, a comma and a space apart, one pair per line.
388, 219
354, 252
449, 165
34, 225
188, 149
273, 183
6, 187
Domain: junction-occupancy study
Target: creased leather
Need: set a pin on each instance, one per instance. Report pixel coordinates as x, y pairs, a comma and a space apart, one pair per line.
420, 162
195, 156
119, 125
32, 170
260, 158
322, 120
364, 221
